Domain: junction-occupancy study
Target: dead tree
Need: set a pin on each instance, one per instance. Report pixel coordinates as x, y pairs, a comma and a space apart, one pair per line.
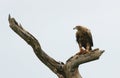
62, 70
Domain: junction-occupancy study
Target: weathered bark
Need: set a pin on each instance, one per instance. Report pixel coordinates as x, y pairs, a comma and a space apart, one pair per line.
67, 70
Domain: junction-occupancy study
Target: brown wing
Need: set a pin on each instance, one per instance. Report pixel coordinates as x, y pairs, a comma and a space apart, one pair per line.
89, 35
78, 37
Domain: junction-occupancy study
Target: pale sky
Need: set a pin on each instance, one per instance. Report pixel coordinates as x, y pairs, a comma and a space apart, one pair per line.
52, 22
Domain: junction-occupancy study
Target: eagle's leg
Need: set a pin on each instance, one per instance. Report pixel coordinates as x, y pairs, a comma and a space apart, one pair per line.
88, 48
82, 51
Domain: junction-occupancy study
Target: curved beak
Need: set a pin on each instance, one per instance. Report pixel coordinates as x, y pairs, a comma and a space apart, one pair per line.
74, 28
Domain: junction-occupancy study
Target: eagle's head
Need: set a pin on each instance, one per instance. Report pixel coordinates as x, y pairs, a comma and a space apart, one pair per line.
78, 27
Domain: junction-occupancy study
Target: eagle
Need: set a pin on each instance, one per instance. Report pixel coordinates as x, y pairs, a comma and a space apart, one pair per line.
84, 39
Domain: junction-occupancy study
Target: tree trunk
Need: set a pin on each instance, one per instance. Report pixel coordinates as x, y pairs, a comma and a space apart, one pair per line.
67, 70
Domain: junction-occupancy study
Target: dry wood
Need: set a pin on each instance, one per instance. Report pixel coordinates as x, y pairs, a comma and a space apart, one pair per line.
67, 70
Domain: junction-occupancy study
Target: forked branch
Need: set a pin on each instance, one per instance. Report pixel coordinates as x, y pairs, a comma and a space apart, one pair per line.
67, 70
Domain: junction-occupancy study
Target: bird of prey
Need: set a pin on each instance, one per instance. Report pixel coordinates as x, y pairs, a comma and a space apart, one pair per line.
84, 39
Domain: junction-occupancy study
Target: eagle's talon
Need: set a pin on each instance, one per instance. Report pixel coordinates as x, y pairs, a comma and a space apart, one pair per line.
87, 51
82, 51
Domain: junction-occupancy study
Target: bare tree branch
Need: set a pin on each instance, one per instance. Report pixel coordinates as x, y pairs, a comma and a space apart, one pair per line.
77, 60
73, 63
68, 70
33, 42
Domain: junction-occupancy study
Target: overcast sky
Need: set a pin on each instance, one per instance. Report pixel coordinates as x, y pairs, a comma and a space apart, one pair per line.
52, 22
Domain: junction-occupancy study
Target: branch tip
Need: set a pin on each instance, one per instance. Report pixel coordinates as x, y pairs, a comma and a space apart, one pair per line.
102, 51
9, 17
